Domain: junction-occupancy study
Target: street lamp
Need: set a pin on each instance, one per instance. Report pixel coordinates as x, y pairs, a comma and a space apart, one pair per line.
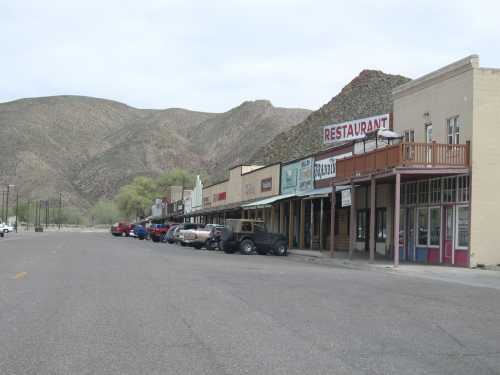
7, 203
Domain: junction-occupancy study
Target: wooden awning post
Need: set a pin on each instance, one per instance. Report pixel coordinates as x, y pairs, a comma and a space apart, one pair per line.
372, 219
332, 222
311, 234
397, 210
321, 218
352, 222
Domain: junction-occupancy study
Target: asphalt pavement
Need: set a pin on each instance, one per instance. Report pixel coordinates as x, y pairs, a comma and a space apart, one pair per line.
89, 303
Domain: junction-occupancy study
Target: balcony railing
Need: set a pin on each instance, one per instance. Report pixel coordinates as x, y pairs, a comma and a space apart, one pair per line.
415, 155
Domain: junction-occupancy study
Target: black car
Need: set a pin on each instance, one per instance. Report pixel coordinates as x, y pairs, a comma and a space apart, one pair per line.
248, 236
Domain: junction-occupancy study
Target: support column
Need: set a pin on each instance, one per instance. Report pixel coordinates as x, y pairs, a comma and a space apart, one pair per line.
311, 236
321, 219
291, 226
372, 220
396, 218
332, 222
352, 222
302, 223
273, 219
282, 218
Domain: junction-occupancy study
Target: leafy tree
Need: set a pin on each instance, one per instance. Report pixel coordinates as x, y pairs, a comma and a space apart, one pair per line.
135, 199
175, 177
104, 212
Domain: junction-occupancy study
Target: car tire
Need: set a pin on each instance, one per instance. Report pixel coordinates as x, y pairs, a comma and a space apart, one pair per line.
280, 249
247, 247
209, 245
197, 246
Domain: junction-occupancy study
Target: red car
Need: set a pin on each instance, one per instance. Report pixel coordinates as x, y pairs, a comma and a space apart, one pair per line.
120, 229
158, 232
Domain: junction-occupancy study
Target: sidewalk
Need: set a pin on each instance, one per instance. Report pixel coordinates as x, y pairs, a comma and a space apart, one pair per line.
489, 278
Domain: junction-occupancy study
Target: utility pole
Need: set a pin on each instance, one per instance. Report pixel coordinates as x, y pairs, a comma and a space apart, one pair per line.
3, 205
7, 203
17, 206
60, 210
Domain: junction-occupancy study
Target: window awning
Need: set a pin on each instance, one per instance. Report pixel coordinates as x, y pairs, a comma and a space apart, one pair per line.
268, 201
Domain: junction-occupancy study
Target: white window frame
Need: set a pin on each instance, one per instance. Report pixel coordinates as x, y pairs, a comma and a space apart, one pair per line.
453, 138
455, 237
419, 184
460, 190
440, 183
453, 191
440, 227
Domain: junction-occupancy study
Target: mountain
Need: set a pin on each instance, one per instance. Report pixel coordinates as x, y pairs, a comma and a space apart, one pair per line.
88, 147
370, 93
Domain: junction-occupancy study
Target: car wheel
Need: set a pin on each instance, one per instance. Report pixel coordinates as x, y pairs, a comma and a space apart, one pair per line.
247, 247
280, 249
197, 246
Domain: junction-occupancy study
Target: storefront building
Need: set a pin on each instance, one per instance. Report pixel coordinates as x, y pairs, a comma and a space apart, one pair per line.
431, 198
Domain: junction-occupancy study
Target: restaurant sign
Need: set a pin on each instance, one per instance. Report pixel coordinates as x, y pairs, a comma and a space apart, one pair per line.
327, 168
350, 130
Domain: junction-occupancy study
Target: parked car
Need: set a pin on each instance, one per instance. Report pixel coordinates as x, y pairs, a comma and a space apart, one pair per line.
201, 237
158, 232
120, 229
131, 232
248, 236
140, 232
5, 228
179, 233
170, 236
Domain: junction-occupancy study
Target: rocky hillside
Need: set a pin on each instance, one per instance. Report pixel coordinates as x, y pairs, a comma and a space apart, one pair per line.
366, 95
87, 147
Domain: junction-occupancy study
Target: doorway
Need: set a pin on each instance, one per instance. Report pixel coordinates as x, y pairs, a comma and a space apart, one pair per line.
410, 234
448, 235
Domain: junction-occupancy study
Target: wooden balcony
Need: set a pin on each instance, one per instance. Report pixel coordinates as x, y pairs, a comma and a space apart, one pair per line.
412, 155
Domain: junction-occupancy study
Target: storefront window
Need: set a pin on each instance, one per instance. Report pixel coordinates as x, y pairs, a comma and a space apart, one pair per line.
435, 226
361, 225
402, 194
423, 192
463, 226
463, 189
449, 189
423, 226
411, 193
435, 191
381, 224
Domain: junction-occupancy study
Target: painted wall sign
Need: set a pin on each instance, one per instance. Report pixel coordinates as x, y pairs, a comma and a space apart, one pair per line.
297, 177
349, 130
220, 196
266, 184
327, 168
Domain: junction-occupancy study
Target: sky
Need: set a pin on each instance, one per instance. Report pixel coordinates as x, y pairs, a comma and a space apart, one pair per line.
211, 55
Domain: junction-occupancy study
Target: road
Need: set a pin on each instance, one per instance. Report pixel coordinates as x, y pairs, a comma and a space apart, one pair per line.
88, 303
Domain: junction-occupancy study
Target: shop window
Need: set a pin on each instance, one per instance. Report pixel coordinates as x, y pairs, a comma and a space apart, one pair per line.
423, 192
435, 194
463, 183
449, 189
453, 130
411, 193
423, 226
381, 224
361, 225
463, 226
402, 195
435, 226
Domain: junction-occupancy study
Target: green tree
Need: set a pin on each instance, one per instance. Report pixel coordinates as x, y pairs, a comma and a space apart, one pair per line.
175, 177
104, 212
136, 198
